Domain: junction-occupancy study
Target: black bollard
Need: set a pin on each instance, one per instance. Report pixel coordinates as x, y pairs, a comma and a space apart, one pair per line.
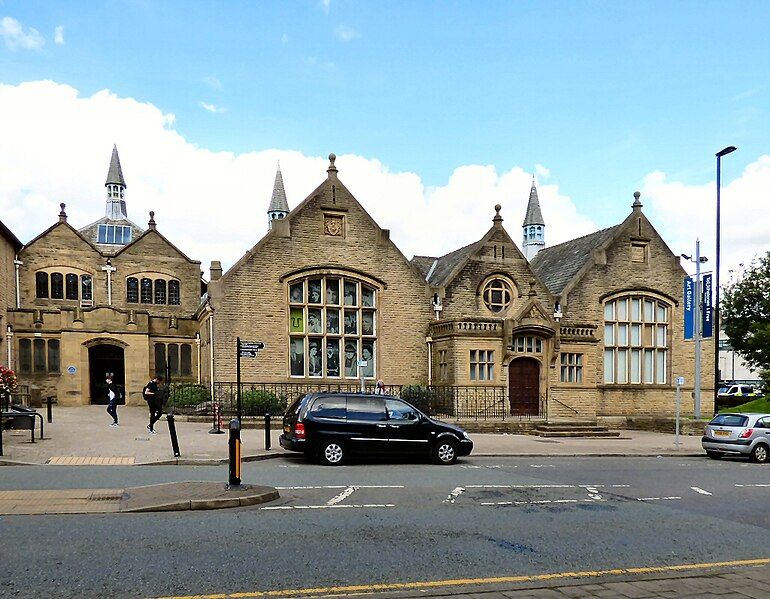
234, 444
172, 433
49, 402
267, 431
216, 428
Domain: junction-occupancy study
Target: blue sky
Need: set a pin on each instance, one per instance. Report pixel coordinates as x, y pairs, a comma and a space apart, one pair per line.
600, 93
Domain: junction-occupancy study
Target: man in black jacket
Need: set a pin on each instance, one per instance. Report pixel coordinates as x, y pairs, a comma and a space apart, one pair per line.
154, 401
112, 400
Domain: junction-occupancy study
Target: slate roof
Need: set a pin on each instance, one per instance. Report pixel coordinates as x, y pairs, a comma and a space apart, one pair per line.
115, 174
278, 202
446, 264
12, 239
533, 216
423, 264
556, 266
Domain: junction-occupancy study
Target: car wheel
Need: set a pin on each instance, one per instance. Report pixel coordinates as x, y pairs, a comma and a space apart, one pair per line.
445, 452
760, 453
714, 455
331, 453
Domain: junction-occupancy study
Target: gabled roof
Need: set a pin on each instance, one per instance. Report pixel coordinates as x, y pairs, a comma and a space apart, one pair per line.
70, 227
449, 264
278, 202
556, 266
533, 216
424, 264
115, 174
156, 232
12, 239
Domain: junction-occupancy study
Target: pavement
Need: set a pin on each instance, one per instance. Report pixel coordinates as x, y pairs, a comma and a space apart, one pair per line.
82, 436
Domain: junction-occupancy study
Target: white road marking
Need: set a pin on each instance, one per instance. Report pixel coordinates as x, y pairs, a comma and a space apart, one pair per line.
701, 491
754, 485
656, 498
537, 502
545, 486
593, 493
542, 466
341, 487
456, 492
344, 495
322, 507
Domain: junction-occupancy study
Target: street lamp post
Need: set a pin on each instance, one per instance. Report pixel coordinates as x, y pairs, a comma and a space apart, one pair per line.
723, 152
697, 325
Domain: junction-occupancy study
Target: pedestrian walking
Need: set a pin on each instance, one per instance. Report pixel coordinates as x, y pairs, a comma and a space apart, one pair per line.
154, 400
379, 388
112, 400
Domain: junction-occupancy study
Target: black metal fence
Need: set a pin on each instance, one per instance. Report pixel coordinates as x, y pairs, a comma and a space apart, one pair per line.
448, 402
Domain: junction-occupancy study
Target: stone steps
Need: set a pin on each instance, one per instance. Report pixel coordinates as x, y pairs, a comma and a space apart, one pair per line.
575, 428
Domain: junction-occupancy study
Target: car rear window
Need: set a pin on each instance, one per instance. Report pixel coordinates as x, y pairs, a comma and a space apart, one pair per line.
294, 407
369, 409
730, 420
332, 406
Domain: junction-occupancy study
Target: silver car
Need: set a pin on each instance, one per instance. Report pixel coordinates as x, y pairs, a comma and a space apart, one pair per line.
738, 434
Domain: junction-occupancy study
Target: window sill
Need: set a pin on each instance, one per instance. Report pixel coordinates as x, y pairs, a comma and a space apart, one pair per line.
634, 386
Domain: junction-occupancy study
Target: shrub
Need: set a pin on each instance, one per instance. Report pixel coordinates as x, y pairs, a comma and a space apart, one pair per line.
256, 402
188, 395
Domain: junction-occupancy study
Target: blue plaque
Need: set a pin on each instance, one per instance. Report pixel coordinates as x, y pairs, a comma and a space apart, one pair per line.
689, 307
708, 310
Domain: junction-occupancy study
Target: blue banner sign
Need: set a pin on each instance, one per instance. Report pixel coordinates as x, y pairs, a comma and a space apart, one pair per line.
689, 307
708, 311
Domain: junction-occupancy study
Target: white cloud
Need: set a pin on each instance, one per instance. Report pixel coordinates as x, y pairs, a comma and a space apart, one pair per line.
58, 35
211, 107
213, 83
346, 34
325, 4
542, 171
57, 148
16, 36
684, 212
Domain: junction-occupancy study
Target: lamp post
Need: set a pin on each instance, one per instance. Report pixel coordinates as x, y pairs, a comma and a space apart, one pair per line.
698, 323
723, 152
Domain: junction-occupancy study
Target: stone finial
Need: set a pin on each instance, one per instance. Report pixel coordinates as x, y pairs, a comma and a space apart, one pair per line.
332, 170
151, 223
637, 204
498, 220
62, 214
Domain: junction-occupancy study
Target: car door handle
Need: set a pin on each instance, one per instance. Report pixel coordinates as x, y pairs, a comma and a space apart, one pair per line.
381, 425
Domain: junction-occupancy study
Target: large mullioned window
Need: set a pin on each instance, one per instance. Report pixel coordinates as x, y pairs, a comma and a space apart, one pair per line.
636, 332
332, 325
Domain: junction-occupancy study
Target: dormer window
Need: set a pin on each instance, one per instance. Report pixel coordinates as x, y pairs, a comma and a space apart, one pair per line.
114, 234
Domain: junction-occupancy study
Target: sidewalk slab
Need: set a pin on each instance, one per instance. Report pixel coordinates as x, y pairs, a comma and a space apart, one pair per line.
151, 498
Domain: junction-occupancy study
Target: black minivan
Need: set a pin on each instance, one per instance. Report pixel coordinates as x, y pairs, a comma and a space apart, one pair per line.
331, 425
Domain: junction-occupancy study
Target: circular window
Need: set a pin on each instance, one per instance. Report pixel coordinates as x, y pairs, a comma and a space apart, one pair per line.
497, 295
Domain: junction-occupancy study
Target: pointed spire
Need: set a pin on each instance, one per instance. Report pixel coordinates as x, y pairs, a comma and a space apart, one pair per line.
278, 201
533, 216
115, 174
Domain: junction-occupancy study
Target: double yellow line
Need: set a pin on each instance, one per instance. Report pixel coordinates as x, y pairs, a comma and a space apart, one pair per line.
403, 586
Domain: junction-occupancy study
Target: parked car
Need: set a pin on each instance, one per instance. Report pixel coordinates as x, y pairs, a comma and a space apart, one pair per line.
330, 426
746, 391
738, 434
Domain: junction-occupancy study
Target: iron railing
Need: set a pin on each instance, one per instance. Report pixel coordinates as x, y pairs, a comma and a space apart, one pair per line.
447, 402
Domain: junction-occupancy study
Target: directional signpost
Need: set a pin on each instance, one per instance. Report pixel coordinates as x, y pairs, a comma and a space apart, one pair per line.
244, 349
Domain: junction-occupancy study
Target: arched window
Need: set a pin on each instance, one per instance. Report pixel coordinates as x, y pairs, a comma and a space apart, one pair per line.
71, 288
41, 284
146, 291
160, 291
132, 290
57, 285
636, 340
497, 295
332, 325
174, 297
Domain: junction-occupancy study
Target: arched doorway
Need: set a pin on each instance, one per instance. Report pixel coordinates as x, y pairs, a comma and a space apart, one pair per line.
524, 387
104, 359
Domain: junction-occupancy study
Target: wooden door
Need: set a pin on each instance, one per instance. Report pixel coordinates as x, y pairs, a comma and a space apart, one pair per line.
524, 387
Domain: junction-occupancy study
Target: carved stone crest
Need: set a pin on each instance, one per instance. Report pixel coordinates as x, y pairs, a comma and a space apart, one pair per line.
333, 225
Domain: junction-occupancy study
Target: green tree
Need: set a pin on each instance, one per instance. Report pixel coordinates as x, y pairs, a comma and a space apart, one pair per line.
745, 312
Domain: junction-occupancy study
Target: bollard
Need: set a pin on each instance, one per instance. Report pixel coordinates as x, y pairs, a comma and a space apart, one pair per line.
234, 445
267, 431
172, 433
49, 401
216, 429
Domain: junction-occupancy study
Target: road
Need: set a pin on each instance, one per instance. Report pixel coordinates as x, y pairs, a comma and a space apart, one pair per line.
389, 522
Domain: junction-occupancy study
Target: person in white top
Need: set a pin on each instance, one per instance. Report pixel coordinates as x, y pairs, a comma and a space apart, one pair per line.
112, 405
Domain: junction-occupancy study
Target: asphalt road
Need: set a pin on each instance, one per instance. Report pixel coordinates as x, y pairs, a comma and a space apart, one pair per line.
389, 522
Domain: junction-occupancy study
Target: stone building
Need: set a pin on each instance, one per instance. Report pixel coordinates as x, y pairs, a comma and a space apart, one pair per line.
590, 327
9, 247
107, 298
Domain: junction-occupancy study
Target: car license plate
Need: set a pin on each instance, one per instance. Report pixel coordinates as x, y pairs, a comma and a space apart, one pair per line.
721, 433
